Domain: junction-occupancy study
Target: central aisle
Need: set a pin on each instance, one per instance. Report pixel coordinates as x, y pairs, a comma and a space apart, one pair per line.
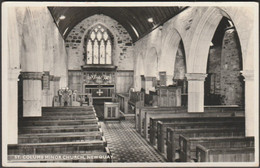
126, 145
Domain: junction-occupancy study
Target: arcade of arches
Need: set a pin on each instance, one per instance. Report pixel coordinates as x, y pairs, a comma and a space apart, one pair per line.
208, 51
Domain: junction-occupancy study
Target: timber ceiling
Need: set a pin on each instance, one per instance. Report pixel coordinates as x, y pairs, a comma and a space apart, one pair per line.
129, 17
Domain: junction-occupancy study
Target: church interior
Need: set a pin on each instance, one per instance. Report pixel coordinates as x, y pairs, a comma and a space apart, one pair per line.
130, 84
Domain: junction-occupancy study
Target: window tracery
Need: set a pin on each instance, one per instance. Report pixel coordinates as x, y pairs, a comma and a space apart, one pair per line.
99, 46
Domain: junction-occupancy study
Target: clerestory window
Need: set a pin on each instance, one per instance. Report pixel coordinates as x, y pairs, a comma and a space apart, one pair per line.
99, 46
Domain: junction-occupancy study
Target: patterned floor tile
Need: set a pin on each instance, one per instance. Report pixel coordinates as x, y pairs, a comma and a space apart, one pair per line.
126, 145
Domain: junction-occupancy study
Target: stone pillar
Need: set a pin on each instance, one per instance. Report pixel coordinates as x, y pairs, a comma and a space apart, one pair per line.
149, 86
32, 87
169, 80
249, 102
137, 82
52, 89
56, 81
196, 91
13, 106
46, 89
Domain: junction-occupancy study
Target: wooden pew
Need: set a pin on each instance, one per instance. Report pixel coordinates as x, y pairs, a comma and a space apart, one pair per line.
168, 115
67, 109
123, 99
244, 154
55, 129
160, 132
172, 140
188, 144
61, 114
210, 111
59, 137
59, 122
60, 117
61, 131
145, 124
140, 117
136, 100
128, 102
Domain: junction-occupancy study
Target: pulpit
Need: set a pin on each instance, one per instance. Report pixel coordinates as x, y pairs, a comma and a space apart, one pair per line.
169, 96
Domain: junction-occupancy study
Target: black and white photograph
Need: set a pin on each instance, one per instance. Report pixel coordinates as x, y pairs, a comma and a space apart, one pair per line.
130, 84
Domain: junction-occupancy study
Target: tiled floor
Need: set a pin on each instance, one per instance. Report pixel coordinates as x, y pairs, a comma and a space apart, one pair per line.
126, 145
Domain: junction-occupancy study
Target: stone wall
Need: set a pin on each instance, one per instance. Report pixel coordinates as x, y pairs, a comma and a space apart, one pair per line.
122, 47
232, 89
214, 68
180, 65
224, 65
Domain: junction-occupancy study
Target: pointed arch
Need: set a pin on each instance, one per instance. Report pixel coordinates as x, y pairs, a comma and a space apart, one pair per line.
198, 53
199, 48
170, 45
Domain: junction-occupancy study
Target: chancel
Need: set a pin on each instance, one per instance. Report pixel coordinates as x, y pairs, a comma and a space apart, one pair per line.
169, 83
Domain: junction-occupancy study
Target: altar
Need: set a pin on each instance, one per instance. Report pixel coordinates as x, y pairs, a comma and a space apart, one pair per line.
99, 91
98, 81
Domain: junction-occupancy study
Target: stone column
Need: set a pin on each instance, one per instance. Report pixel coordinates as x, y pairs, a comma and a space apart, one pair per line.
149, 84
169, 80
52, 90
13, 105
137, 82
56, 81
46, 89
249, 102
196, 91
32, 87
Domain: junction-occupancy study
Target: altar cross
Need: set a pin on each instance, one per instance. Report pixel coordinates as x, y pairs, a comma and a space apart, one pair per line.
99, 92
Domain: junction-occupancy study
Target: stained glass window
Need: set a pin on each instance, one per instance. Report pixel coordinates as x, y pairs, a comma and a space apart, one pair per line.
99, 46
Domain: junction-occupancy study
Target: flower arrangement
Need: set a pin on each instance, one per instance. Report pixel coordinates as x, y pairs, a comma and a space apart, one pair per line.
93, 77
105, 78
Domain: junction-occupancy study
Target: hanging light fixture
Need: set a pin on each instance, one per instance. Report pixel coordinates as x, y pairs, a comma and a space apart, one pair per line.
62, 17
150, 20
